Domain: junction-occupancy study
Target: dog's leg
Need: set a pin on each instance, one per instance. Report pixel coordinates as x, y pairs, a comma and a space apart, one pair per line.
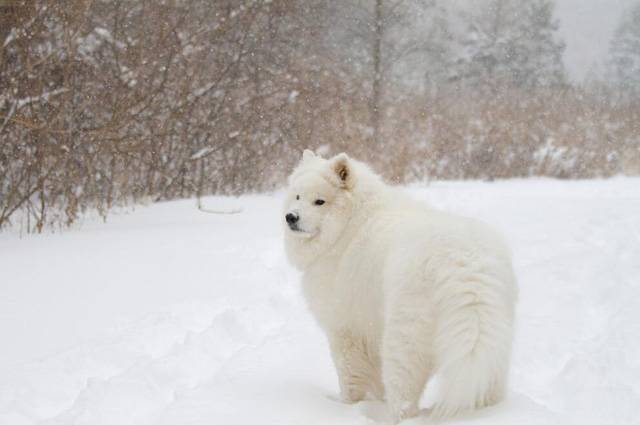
357, 366
407, 361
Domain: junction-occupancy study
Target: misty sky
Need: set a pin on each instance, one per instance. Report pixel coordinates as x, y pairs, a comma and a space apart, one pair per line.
587, 27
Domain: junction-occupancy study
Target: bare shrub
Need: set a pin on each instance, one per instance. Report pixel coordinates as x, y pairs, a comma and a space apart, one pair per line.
111, 102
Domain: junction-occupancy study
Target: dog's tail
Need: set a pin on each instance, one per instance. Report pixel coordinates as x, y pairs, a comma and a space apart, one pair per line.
473, 344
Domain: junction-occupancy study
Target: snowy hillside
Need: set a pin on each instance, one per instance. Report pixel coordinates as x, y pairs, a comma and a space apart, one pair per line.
167, 315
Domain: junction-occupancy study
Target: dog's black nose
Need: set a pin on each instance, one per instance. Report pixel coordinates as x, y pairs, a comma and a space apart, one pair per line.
291, 218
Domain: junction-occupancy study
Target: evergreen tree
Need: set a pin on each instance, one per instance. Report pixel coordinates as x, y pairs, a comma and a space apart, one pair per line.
512, 42
624, 59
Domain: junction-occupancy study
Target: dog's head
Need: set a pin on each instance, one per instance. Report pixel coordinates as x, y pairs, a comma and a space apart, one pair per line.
318, 205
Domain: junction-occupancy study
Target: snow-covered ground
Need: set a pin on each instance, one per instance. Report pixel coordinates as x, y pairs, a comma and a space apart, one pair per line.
168, 315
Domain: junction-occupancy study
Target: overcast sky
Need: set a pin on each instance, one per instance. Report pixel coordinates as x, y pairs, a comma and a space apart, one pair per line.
587, 27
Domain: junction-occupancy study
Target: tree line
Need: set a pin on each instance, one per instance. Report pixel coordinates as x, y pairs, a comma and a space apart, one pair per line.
112, 102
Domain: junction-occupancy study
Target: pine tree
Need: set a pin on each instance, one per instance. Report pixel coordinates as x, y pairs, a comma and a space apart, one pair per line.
512, 42
624, 59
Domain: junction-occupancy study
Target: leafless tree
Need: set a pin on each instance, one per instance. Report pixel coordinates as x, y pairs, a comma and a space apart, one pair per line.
111, 102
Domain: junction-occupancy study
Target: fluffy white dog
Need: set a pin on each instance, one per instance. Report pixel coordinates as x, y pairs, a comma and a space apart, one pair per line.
402, 291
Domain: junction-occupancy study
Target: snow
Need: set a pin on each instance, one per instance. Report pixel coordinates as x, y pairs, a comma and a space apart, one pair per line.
106, 34
10, 37
44, 97
167, 315
201, 152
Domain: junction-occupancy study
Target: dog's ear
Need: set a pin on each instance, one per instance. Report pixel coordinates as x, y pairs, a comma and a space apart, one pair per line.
307, 155
342, 168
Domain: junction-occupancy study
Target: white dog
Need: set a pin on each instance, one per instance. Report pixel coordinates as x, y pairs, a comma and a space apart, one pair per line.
402, 291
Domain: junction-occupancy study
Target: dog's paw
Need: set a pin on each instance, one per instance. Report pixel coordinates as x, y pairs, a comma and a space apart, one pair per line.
401, 410
352, 395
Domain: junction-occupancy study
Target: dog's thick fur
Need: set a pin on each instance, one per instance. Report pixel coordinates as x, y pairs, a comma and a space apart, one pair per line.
401, 290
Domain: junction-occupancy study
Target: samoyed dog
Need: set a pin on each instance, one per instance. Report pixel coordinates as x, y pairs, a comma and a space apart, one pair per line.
403, 292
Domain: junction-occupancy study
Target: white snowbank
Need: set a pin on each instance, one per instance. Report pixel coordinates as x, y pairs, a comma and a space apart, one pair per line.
168, 315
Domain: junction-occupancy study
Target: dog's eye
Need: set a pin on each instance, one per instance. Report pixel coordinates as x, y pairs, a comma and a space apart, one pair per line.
297, 197
319, 202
